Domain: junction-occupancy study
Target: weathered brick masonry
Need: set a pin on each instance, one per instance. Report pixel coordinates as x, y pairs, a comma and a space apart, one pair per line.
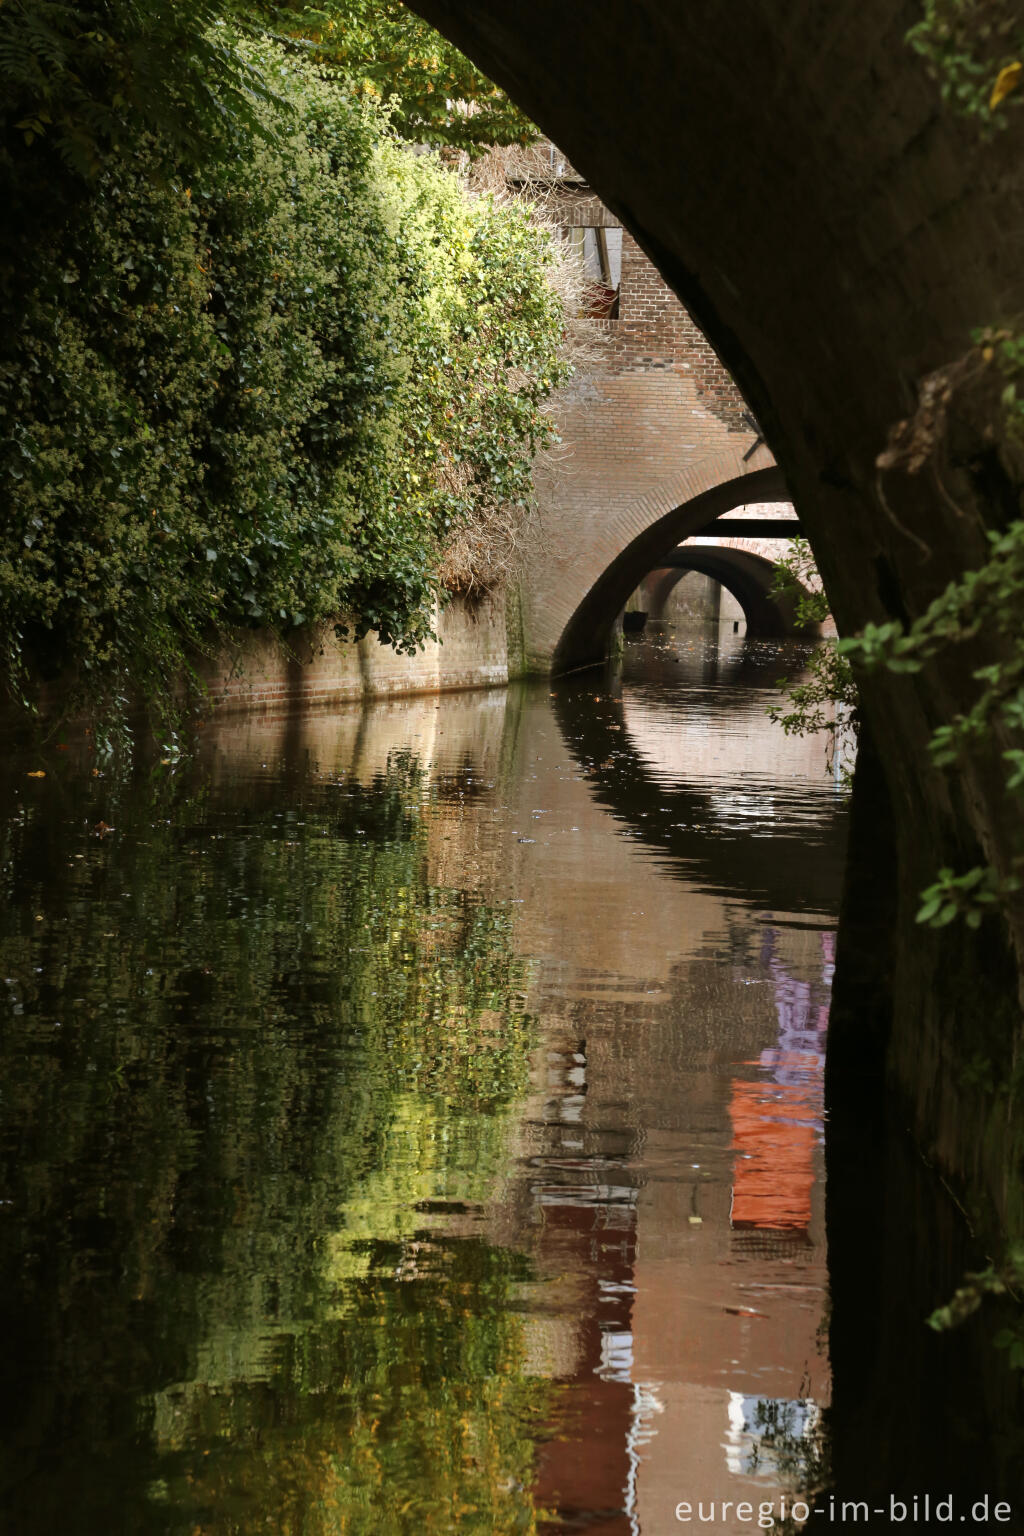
264, 676
656, 422
654, 334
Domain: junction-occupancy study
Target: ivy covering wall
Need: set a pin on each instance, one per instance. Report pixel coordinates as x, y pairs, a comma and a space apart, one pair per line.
260, 388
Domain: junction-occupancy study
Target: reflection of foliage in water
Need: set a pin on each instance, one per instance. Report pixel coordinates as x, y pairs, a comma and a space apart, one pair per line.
791, 1436
246, 1043
413, 1415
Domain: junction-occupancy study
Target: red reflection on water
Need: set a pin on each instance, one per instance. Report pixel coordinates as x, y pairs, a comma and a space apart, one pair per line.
775, 1131
777, 1124
583, 1469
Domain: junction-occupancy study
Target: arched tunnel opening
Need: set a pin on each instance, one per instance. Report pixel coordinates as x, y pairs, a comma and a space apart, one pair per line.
586, 637
662, 554
727, 589
688, 599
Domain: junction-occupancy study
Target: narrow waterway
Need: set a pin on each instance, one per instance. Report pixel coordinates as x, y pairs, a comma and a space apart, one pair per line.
412, 1116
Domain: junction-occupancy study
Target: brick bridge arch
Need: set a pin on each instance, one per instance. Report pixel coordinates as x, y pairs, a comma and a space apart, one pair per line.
746, 575
579, 578
837, 231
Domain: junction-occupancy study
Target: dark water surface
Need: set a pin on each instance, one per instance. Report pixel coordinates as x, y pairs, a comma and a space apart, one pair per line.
411, 1118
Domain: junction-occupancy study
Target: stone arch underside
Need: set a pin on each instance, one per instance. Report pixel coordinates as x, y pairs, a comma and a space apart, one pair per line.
836, 232
612, 555
746, 575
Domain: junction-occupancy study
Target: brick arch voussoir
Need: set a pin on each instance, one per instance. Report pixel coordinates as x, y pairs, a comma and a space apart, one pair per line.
620, 552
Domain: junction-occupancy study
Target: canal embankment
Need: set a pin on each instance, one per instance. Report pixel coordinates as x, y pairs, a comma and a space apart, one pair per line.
261, 672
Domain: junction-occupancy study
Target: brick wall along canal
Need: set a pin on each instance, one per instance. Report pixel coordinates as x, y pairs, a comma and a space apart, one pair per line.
412, 1115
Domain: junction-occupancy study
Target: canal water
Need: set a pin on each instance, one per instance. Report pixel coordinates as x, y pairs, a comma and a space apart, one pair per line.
411, 1116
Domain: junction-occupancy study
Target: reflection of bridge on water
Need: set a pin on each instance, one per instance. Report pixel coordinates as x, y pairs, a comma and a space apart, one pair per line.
706, 1296
750, 840
636, 1310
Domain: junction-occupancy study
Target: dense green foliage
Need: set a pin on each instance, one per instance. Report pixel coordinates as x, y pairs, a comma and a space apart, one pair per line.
82, 78
433, 93
262, 394
79, 81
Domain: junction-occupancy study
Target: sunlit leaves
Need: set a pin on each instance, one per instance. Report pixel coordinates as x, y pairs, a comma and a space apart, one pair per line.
264, 394
795, 577
387, 53
826, 700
